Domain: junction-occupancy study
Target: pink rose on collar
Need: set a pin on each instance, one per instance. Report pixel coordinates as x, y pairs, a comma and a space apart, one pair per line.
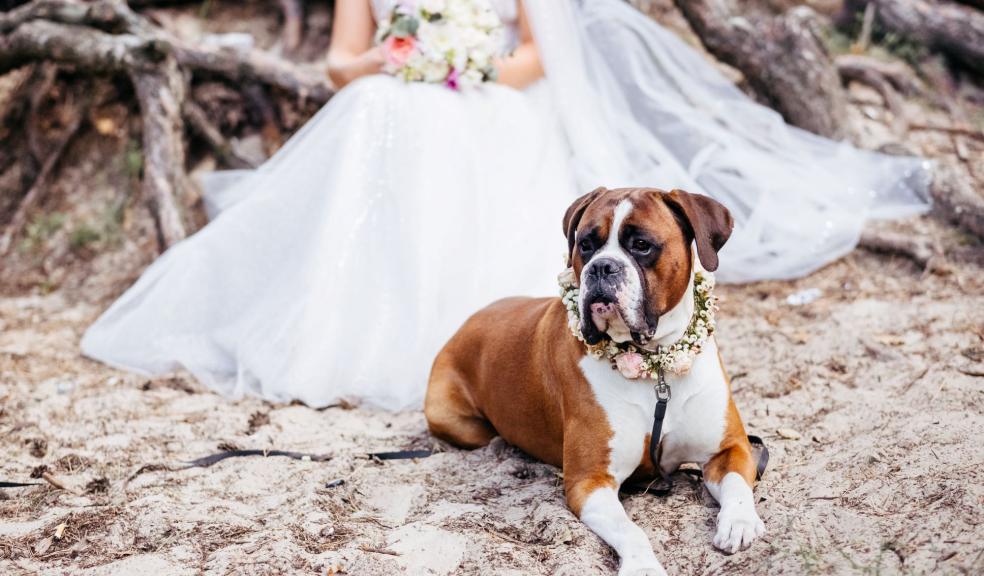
398, 49
629, 364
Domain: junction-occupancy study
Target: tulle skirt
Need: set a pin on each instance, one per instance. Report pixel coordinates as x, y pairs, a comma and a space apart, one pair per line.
339, 268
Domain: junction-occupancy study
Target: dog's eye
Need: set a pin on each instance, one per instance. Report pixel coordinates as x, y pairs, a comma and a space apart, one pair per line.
640, 246
586, 245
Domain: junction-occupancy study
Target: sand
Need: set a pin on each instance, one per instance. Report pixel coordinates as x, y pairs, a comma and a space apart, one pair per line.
870, 399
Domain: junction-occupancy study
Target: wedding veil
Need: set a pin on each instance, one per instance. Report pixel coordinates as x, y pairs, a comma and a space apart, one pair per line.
642, 108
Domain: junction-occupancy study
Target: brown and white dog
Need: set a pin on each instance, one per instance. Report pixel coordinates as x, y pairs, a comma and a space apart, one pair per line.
515, 370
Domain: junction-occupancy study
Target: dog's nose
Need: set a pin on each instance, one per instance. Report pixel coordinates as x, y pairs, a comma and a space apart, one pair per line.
604, 268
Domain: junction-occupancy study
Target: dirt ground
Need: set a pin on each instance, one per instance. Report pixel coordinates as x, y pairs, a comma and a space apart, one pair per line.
870, 397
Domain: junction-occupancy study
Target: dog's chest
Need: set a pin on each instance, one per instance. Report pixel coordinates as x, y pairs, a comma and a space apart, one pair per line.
695, 416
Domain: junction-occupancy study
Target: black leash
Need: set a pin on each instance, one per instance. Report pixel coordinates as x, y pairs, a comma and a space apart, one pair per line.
663, 484
18, 484
662, 390
207, 461
401, 455
763, 459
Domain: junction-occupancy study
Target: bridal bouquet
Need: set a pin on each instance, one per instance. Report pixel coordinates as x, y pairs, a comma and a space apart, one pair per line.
450, 42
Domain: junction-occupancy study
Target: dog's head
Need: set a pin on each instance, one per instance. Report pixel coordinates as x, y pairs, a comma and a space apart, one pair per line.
631, 250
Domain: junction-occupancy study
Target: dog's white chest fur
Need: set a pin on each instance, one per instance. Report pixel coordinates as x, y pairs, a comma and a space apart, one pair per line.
695, 416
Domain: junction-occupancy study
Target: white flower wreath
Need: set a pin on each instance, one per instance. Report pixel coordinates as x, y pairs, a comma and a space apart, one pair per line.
634, 362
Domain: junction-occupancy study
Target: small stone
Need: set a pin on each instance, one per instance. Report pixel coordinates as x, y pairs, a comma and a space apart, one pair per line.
41, 547
788, 434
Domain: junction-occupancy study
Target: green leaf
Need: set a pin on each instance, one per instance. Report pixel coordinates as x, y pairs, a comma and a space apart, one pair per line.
405, 26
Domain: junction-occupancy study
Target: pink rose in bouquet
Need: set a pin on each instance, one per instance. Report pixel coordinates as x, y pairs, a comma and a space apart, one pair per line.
398, 49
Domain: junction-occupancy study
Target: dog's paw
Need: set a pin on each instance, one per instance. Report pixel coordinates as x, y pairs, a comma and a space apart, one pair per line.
736, 528
650, 567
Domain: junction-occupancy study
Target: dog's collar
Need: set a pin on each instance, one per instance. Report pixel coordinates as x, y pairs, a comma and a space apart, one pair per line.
634, 362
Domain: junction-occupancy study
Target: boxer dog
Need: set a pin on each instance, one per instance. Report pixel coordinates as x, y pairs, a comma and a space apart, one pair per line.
516, 370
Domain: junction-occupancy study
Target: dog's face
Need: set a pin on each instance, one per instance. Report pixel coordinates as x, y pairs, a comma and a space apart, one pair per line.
632, 258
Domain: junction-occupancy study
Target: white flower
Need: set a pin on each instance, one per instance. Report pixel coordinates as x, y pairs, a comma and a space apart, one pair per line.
479, 59
435, 70
438, 39
432, 6
488, 19
566, 278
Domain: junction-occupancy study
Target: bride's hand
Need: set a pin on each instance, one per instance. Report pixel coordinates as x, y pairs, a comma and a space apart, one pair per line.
352, 54
376, 56
344, 68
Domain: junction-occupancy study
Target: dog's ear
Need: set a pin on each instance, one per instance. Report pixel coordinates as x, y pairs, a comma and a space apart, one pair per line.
708, 220
573, 217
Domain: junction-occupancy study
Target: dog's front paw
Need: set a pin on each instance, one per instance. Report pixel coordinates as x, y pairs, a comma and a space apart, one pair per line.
634, 567
737, 527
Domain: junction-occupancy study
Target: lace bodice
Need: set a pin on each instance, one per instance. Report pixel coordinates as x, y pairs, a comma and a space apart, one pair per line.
507, 10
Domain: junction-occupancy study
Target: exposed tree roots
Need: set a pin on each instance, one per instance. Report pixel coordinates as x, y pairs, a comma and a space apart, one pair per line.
106, 37
952, 28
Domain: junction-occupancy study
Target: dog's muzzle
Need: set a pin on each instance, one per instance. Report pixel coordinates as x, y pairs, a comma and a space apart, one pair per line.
605, 279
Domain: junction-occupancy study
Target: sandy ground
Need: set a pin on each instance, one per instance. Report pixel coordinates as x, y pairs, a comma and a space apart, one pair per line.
876, 387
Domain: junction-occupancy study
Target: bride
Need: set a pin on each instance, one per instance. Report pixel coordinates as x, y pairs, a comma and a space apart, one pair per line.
339, 268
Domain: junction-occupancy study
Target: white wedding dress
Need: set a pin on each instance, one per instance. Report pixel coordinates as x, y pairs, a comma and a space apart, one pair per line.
340, 267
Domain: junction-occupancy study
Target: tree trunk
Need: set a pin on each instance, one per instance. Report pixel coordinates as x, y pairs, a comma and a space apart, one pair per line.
781, 57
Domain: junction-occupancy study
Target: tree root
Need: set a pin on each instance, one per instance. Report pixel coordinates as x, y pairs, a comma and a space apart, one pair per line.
806, 89
199, 122
918, 249
864, 70
955, 199
293, 24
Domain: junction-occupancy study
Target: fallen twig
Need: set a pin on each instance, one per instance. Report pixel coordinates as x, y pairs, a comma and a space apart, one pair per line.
975, 372
919, 376
50, 479
374, 550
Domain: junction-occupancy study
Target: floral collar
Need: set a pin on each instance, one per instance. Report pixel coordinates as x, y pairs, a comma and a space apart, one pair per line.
634, 362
